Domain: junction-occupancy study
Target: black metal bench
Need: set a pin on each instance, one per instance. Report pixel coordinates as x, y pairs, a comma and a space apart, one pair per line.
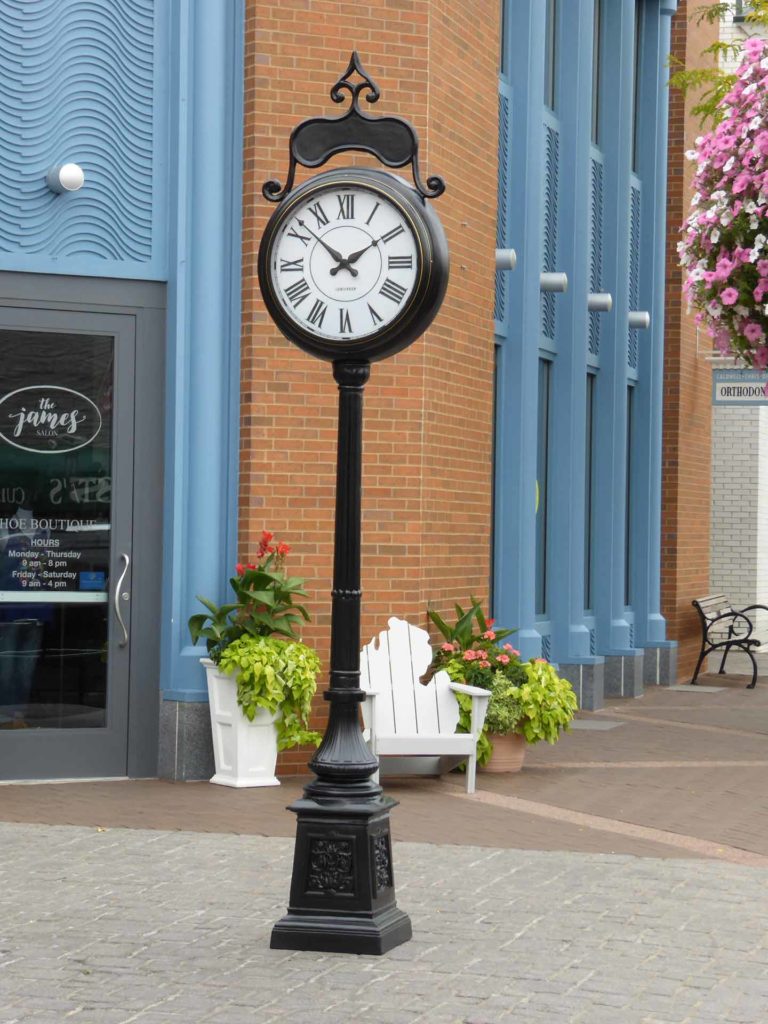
724, 627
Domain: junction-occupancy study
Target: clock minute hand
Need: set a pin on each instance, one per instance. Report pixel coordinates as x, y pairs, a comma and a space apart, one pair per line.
334, 252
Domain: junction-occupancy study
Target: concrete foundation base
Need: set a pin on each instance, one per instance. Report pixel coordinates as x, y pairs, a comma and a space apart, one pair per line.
660, 665
186, 747
624, 674
588, 682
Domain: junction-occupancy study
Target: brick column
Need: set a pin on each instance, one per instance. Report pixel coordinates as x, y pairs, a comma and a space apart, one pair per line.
687, 395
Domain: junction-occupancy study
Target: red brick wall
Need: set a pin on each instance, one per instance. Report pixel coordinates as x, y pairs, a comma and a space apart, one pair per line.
688, 381
428, 411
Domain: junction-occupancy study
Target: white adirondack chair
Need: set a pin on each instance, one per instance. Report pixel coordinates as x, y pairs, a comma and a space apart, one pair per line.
411, 727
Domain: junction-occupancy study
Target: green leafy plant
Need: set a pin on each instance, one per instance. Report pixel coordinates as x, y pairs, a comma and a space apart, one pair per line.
279, 676
547, 703
470, 631
526, 697
265, 602
504, 708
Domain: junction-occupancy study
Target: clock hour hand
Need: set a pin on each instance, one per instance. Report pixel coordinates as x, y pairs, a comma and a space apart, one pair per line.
333, 252
353, 258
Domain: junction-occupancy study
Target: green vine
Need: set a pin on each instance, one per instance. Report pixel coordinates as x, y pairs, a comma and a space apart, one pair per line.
279, 676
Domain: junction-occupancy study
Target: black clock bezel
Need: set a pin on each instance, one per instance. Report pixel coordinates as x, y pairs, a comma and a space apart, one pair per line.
432, 274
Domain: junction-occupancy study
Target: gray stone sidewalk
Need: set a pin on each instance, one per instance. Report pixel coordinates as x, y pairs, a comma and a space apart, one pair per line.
117, 926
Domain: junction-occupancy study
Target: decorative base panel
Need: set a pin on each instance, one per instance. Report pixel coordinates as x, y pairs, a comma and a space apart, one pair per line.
366, 936
343, 886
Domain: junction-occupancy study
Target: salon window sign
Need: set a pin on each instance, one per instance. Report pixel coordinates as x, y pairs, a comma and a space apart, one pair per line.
48, 420
46, 553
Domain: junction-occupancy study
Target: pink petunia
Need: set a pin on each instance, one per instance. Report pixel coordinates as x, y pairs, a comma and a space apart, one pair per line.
753, 332
729, 297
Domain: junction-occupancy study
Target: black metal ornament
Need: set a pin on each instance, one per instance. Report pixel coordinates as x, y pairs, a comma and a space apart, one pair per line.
392, 140
342, 895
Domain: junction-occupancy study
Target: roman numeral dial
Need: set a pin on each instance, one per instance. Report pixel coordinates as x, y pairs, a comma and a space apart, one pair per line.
346, 262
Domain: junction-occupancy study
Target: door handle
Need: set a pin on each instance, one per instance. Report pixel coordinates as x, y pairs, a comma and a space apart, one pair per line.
117, 597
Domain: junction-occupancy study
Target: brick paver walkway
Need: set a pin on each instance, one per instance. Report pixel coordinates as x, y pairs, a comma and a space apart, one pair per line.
153, 903
153, 927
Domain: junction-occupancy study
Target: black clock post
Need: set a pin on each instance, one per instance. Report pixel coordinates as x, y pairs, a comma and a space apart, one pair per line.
342, 896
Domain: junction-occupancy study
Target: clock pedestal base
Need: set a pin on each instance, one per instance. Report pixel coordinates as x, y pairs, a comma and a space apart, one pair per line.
342, 890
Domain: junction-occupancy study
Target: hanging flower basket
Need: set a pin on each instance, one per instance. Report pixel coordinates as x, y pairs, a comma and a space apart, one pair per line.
725, 238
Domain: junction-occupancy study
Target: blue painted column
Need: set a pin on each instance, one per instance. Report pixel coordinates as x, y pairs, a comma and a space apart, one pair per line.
515, 515
570, 635
203, 328
613, 628
652, 168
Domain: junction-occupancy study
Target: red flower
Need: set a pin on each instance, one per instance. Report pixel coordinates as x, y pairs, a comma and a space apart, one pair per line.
251, 566
264, 547
239, 568
283, 549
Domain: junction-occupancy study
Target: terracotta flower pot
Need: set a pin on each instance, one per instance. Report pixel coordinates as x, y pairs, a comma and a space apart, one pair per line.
508, 753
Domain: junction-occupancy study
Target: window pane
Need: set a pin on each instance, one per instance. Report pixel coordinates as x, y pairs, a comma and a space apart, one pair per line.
628, 509
636, 85
55, 503
588, 490
550, 54
542, 482
596, 62
503, 40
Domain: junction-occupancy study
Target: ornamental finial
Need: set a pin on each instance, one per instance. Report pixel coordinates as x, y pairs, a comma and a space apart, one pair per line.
355, 66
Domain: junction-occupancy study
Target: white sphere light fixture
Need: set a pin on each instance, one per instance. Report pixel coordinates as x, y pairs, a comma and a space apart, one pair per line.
65, 178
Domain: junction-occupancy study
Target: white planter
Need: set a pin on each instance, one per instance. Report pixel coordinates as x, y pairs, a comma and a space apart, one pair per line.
245, 752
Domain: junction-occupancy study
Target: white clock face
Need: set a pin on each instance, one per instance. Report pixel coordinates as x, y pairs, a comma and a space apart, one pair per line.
345, 263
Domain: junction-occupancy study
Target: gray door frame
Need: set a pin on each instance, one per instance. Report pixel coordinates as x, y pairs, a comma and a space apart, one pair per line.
139, 307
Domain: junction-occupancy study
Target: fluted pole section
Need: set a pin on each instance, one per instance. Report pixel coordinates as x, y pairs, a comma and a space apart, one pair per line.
343, 759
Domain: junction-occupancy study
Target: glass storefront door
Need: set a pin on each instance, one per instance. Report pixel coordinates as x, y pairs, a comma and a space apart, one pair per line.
66, 483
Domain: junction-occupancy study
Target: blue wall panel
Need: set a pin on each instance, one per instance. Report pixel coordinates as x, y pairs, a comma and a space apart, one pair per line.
203, 329
84, 81
515, 493
585, 211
